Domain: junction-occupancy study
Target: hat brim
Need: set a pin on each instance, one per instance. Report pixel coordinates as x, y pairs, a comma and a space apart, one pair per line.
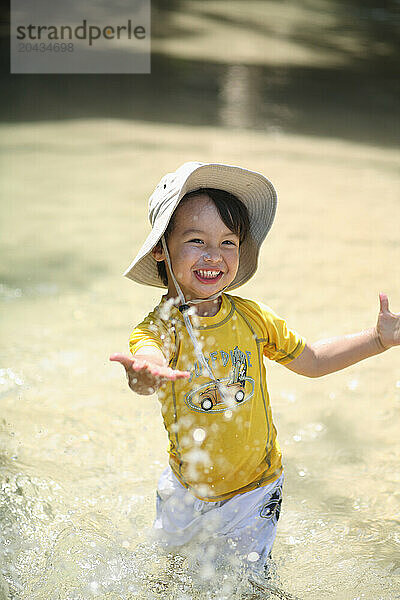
255, 191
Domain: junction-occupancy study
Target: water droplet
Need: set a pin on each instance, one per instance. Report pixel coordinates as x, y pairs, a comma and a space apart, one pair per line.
289, 396
353, 384
93, 586
199, 435
253, 556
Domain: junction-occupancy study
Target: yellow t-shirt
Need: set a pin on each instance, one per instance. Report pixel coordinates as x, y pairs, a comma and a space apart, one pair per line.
220, 444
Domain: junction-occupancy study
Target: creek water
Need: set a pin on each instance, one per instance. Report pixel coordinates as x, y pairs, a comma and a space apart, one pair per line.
81, 454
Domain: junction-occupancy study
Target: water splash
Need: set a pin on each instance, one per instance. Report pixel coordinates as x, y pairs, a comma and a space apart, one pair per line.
53, 551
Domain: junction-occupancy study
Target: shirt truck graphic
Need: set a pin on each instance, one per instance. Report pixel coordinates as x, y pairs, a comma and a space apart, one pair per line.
235, 385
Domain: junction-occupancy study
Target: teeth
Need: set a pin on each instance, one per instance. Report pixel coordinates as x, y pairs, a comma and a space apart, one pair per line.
208, 274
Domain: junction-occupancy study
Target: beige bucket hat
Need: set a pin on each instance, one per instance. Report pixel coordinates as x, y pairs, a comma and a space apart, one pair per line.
252, 188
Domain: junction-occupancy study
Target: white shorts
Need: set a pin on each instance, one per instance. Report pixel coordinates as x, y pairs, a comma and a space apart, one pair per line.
243, 526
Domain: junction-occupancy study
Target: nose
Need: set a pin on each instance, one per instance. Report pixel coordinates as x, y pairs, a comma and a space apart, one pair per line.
212, 255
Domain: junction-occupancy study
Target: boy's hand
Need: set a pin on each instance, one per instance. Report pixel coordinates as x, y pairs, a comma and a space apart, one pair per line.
145, 375
388, 325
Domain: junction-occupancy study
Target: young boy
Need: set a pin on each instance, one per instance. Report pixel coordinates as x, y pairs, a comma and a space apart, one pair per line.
202, 350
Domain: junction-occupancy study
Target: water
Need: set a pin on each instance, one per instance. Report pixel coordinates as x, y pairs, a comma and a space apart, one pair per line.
321, 69
312, 103
353, 101
81, 454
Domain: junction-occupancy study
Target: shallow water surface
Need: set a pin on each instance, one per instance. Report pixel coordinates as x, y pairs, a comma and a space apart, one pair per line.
81, 454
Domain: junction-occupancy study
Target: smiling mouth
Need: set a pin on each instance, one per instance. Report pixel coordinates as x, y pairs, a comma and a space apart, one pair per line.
208, 276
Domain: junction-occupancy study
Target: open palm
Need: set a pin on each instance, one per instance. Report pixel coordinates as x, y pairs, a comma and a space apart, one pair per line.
145, 375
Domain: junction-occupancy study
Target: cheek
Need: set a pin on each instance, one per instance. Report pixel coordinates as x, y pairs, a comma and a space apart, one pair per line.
186, 257
189, 254
232, 258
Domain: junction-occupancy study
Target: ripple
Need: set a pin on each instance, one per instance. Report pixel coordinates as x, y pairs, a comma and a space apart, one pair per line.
9, 380
309, 432
338, 505
8, 293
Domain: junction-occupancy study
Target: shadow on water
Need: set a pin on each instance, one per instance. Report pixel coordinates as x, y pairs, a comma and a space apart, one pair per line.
357, 100
373, 26
348, 104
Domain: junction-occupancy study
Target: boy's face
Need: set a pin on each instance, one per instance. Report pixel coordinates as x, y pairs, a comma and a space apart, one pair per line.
204, 252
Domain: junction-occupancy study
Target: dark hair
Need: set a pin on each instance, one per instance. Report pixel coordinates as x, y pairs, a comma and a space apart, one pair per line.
232, 211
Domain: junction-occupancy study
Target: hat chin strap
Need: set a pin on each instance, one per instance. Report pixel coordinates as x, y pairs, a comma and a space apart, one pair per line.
184, 307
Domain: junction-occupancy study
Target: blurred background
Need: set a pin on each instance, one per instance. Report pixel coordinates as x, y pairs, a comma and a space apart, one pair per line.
305, 92
323, 68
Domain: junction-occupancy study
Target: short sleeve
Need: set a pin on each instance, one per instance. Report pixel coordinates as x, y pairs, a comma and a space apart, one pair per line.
151, 332
281, 343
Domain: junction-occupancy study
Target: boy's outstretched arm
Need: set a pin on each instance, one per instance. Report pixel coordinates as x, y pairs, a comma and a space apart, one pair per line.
147, 370
328, 356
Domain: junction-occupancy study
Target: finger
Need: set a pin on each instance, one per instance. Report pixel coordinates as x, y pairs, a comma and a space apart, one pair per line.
168, 373
165, 378
182, 374
174, 375
139, 364
126, 361
384, 302
129, 363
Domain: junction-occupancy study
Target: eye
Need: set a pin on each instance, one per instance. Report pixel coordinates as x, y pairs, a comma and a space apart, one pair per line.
195, 241
229, 242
